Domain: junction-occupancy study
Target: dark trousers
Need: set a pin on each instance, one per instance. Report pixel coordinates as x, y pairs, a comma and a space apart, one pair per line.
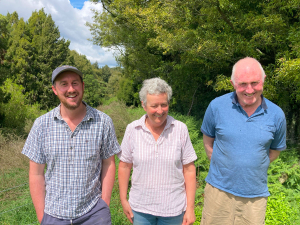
99, 215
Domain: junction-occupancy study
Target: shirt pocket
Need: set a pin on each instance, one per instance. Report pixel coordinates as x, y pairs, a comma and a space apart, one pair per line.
89, 156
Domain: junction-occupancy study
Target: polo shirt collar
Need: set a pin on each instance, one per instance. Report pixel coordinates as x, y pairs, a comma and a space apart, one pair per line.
263, 101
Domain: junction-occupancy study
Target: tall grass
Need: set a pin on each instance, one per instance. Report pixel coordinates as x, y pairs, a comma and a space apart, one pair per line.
14, 191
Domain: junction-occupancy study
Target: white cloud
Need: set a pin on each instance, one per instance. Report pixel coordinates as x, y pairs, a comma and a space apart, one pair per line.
70, 21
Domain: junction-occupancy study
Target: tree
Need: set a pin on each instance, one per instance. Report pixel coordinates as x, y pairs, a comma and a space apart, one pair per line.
4, 36
106, 73
35, 50
194, 44
16, 110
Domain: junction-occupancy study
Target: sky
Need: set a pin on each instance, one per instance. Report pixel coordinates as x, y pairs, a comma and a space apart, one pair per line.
70, 16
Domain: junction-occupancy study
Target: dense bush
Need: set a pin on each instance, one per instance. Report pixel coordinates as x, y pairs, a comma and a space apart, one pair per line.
284, 186
16, 113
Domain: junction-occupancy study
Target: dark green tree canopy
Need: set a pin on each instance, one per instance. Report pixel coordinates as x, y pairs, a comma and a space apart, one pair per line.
35, 50
194, 44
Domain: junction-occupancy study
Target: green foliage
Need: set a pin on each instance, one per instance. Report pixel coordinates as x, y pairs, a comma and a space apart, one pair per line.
121, 115
35, 50
284, 187
16, 110
284, 88
223, 83
31, 50
113, 84
279, 211
127, 92
94, 90
3, 36
106, 73
194, 44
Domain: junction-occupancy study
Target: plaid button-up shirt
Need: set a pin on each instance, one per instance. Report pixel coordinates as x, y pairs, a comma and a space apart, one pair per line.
74, 159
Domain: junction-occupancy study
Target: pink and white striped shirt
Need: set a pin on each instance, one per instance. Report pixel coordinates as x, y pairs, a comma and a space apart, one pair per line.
157, 179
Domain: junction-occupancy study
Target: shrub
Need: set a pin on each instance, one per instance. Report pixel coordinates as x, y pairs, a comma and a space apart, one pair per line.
121, 116
284, 187
14, 108
279, 211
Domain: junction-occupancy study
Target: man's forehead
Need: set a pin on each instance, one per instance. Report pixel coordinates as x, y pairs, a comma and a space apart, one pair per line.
250, 70
68, 74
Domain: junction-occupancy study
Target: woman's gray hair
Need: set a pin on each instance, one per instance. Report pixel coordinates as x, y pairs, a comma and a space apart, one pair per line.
154, 86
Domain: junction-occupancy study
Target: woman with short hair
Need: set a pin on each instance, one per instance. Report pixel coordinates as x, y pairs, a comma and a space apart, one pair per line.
159, 150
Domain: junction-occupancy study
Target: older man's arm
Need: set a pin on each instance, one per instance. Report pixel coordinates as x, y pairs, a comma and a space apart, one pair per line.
208, 145
108, 173
273, 154
37, 187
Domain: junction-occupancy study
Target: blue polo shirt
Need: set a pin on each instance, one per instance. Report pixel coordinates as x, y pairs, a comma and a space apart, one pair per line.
240, 157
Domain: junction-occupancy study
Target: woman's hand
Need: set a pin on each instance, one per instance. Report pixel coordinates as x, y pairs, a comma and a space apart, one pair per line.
189, 217
127, 210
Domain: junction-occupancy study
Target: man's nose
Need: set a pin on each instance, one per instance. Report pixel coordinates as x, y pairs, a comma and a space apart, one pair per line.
71, 88
249, 88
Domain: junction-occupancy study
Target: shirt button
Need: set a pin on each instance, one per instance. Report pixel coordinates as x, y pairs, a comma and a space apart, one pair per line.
71, 148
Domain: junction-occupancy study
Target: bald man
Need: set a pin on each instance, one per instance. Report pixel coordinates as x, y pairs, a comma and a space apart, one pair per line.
242, 133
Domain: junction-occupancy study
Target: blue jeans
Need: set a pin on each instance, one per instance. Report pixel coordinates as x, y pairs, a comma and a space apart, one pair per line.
147, 219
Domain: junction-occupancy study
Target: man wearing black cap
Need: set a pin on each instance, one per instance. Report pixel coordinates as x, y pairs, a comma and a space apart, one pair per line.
78, 144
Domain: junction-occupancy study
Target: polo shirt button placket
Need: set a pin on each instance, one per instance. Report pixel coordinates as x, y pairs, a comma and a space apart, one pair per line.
72, 148
156, 150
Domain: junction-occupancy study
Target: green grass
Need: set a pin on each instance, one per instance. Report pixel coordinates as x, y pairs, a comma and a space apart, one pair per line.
16, 205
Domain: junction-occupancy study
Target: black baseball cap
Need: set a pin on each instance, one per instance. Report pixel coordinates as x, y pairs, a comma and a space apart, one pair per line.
65, 68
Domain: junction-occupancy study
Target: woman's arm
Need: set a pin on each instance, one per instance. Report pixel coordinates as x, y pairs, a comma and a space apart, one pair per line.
189, 173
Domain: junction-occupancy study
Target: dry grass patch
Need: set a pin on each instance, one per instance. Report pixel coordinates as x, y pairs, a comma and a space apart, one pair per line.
14, 168
10, 153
